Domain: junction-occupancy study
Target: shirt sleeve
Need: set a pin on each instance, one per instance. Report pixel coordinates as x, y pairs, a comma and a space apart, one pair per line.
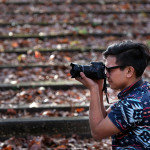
126, 114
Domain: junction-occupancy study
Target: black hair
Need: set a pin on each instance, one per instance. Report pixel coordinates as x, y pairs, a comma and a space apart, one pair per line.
129, 53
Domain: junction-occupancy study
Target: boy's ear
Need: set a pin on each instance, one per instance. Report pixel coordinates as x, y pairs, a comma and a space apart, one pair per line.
130, 71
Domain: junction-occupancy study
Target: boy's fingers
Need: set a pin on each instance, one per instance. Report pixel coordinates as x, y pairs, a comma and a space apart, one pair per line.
82, 75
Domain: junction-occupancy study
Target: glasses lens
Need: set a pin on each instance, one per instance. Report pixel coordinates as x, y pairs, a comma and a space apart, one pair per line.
108, 69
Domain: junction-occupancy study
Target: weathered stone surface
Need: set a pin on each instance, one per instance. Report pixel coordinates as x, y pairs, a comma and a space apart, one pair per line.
37, 126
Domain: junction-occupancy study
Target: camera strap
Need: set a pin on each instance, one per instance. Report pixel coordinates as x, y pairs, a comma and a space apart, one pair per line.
105, 89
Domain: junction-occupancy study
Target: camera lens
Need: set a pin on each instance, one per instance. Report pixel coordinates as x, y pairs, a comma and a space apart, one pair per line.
93, 71
75, 71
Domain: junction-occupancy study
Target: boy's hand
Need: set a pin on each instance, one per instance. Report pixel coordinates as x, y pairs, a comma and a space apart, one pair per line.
89, 83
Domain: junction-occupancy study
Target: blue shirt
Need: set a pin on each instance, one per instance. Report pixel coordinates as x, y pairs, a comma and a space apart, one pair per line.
131, 115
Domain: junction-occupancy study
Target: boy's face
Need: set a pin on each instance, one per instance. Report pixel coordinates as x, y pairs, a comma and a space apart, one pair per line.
116, 77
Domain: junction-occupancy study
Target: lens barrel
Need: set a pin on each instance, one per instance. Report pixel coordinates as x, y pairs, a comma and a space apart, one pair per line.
94, 71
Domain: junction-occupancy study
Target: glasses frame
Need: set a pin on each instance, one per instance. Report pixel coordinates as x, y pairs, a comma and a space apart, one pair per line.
108, 69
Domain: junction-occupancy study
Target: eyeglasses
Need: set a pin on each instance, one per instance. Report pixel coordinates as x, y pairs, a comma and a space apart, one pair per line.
108, 69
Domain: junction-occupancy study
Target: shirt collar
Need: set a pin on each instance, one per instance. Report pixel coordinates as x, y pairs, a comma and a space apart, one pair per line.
127, 90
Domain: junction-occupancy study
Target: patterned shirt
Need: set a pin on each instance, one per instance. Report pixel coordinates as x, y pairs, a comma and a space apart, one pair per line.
131, 115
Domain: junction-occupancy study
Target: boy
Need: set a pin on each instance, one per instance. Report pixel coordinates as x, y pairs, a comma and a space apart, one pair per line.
128, 120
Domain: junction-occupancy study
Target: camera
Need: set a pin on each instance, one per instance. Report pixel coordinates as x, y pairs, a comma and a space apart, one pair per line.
94, 71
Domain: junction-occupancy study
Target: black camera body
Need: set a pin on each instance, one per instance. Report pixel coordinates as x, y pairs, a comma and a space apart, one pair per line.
94, 71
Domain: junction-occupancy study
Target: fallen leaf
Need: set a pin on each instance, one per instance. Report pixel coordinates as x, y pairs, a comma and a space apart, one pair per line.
63, 41
61, 147
37, 54
68, 74
125, 6
67, 58
11, 112
80, 110
8, 148
14, 44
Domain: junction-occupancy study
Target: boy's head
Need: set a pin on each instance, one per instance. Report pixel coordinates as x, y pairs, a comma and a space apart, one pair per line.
129, 53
